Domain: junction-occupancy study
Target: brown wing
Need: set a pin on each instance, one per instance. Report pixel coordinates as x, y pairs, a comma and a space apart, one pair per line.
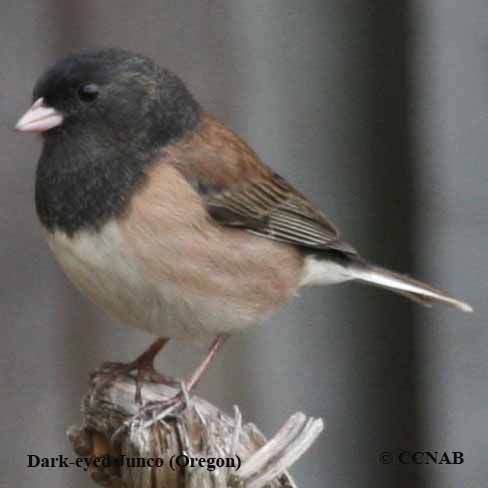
274, 209
240, 191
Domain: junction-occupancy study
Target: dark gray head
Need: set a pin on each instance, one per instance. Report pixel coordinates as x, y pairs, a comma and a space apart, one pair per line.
114, 93
104, 116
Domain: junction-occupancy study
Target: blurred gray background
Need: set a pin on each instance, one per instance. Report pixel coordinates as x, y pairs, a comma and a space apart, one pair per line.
378, 112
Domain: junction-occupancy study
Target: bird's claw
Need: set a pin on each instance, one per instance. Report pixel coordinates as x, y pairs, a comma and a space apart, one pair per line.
144, 373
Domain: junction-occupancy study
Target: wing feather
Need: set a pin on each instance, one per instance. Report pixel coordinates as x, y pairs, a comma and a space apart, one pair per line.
240, 191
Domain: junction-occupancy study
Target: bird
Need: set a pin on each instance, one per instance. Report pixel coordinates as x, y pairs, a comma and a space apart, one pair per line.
167, 219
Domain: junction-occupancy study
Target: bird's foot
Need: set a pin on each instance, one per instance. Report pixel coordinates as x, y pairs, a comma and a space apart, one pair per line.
158, 410
144, 368
145, 372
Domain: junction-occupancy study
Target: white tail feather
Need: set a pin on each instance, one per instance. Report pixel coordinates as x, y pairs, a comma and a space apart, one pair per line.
404, 285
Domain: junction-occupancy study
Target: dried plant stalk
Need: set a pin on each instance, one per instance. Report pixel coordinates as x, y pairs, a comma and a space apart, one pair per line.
188, 445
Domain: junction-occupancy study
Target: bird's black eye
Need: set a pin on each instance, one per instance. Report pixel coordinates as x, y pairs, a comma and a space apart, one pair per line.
88, 92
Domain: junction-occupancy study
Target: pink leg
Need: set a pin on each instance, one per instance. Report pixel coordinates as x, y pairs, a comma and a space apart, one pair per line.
194, 379
200, 371
144, 367
146, 359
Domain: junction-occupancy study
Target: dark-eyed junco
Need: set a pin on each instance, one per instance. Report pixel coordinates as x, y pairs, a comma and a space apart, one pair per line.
166, 218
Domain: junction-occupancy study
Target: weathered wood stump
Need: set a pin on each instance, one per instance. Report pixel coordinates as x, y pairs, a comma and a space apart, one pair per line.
190, 444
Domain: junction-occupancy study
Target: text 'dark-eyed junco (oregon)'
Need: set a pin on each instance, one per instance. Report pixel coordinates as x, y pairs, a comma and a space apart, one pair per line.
166, 218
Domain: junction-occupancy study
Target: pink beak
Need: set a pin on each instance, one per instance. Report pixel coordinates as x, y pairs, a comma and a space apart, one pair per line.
39, 118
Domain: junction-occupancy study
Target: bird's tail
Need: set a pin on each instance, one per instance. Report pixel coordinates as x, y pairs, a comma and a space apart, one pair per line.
403, 285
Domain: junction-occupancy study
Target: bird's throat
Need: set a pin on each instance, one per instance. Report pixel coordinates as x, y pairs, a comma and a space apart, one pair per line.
83, 182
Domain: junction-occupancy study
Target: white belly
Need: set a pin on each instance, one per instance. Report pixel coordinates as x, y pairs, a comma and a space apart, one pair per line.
102, 268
